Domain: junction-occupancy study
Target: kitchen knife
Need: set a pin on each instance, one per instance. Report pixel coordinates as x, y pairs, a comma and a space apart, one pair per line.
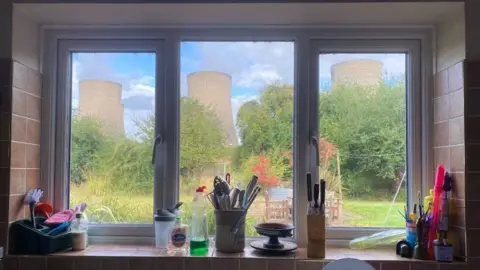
322, 194
316, 190
309, 188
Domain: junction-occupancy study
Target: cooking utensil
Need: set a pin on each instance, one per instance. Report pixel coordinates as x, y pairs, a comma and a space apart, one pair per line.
316, 191
309, 189
227, 178
43, 209
241, 199
322, 194
234, 196
31, 199
251, 185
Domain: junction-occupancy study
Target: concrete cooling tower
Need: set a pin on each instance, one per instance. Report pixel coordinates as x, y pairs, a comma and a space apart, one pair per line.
215, 89
361, 72
102, 99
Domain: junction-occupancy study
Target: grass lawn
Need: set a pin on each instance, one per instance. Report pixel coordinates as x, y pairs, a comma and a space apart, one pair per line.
361, 213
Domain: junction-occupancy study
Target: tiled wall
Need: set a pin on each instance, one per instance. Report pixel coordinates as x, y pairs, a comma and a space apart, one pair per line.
472, 142
449, 142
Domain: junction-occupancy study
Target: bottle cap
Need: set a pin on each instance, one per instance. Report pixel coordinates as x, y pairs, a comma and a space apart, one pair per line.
201, 189
163, 215
78, 215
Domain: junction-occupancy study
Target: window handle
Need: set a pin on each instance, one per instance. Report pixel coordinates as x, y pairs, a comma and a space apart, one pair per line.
158, 141
314, 142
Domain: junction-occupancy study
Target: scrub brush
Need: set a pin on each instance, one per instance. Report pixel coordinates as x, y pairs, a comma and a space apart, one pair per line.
31, 199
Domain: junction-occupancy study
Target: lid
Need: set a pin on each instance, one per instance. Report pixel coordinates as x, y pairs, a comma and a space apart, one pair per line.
78, 215
163, 215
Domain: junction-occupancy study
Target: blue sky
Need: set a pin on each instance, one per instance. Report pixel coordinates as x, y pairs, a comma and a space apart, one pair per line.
252, 66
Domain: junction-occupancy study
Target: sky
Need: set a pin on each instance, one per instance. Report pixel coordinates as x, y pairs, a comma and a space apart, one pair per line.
252, 66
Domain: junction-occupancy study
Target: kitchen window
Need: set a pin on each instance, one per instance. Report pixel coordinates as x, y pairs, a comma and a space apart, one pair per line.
197, 103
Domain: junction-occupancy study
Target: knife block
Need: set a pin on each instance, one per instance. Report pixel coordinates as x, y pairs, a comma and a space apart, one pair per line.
316, 236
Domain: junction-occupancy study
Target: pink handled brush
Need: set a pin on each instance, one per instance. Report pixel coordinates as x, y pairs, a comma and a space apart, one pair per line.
437, 200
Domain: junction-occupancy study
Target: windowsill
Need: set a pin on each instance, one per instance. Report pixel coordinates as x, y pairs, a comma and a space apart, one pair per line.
373, 256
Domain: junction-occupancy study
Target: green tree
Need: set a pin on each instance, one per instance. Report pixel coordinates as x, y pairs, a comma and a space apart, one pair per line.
87, 141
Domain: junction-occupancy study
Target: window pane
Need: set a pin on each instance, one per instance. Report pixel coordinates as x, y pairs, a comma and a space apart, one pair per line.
237, 118
363, 138
112, 128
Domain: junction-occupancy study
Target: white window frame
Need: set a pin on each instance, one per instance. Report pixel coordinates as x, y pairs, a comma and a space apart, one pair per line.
57, 43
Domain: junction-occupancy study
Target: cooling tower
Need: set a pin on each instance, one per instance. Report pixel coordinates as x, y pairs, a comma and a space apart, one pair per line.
102, 99
361, 72
214, 89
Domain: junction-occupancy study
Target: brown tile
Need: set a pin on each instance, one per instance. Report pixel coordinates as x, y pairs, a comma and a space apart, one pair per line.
458, 185
473, 220
10, 263
440, 134
440, 108
395, 265
459, 241
17, 181
33, 107
5, 154
224, 264
253, 264
144, 263
472, 130
376, 264
457, 134
472, 99
442, 156
5, 122
455, 77
280, 264
34, 82
88, 263
457, 158
453, 266
4, 210
441, 83
472, 186
455, 104
19, 102
473, 236
33, 131
59, 263
33, 156
424, 266
196, 263
120, 263
472, 157
171, 263
32, 178
3, 236
19, 129
18, 155
4, 181
472, 74
308, 265
33, 263
20, 74
16, 205
457, 216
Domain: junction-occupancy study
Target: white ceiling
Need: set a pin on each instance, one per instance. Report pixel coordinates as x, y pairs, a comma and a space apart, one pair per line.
245, 14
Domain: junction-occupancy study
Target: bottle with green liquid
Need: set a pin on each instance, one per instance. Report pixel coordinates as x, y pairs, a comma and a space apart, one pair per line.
198, 227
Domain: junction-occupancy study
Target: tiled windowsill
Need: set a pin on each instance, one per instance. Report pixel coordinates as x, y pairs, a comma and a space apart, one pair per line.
132, 255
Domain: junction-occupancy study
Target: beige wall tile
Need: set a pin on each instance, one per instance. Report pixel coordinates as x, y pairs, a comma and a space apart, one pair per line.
5, 122
441, 83
440, 109
17, 181
457, 158
19, 129
33, 131
16, 207
457, 134
20, 75
442, 156
18, 155
440, 134
32, 178
456, 103
457, 217
34, 82
455, 77
253, 264
460, 244
19, 102
225, 264
33, 107
458, 185
33, 156
4, 159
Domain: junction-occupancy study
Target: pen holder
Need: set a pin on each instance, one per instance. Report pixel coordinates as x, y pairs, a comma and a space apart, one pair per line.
316, 236
225, 240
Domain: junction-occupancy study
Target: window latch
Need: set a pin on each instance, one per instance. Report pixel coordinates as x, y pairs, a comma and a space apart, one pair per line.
314, 142
158, 141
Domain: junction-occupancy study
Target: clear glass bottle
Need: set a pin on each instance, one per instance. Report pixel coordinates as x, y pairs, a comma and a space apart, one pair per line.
198, 226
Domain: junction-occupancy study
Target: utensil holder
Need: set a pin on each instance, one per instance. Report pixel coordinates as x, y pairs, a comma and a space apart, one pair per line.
225, 240
316, 236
